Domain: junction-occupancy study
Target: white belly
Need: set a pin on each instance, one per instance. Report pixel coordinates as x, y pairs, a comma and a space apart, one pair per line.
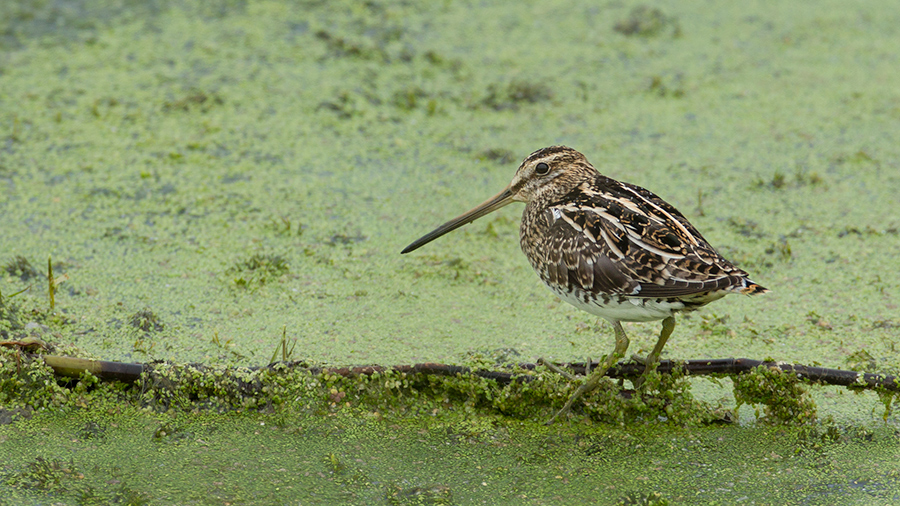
624, 309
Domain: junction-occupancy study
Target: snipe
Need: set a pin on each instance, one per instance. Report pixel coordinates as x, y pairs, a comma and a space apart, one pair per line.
613, 249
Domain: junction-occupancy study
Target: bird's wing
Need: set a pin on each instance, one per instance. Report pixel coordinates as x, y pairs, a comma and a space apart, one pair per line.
621, 239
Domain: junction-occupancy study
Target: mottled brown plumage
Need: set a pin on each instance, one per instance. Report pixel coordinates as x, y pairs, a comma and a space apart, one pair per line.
613, 249
592, 236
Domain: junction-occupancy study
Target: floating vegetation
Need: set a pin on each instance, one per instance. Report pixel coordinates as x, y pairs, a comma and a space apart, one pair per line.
258, 270
643, 499
146, 320
785, 400
745, 227
862, 361
780, 180
343, 47
781, 249
21, 268
499, 155
345, 240
170, 433
45, 474
517, 92
413, 97
666, 86
431, 495
646, 21
284, 226
344, 104
194, 100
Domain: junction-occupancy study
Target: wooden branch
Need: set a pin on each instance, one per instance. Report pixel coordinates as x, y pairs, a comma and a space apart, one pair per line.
74, 367
633, 370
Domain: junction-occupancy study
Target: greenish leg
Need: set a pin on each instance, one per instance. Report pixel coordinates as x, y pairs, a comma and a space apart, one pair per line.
594, 379
668, 325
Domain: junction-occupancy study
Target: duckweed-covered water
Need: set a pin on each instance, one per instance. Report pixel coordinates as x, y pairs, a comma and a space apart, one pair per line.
209, 178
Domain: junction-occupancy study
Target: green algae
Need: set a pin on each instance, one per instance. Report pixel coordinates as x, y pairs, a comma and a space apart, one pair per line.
159, 178
27, 382
214, 435
219, 180
163, 458
785, 398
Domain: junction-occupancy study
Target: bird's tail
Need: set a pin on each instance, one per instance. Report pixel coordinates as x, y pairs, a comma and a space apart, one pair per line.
751, 288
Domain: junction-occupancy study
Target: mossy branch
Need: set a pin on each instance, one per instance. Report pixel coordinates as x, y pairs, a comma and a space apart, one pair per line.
71, 367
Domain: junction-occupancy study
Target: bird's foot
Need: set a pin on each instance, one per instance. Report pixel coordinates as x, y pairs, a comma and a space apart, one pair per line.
555, 368
639, 359
588, 386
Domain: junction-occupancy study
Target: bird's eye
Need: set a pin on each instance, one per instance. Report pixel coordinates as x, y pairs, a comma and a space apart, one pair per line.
541, 169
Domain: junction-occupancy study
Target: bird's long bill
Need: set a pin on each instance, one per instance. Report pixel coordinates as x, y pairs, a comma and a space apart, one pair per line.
492, 204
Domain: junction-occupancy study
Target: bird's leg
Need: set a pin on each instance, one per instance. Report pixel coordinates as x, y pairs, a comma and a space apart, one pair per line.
668, 325
594, 379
